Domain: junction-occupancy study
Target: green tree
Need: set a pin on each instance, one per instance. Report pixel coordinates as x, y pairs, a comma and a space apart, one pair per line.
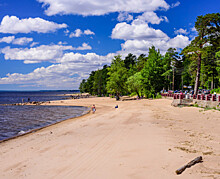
170, 62
117, 77
152, 73
89, 83
141, 60
209, 68
100, 81
82, 86
218, 64
134, 83
186, 74
208, 29
130, 60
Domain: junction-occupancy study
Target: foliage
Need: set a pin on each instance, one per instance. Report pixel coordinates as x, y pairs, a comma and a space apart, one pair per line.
117, 77
217, 90
208, 29
159, 96
134, 83
152, 73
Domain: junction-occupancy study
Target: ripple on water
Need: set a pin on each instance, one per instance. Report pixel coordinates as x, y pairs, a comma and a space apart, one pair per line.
15, 120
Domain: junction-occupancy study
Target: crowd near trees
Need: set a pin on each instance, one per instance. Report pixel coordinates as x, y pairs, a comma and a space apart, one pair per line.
197, 65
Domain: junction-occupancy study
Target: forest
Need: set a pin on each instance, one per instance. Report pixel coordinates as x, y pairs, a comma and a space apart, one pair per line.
197, 65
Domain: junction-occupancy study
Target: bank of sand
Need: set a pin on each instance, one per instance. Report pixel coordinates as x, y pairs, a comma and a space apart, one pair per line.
140, 139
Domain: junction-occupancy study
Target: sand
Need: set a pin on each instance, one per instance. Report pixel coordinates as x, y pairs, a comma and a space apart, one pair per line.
140, 139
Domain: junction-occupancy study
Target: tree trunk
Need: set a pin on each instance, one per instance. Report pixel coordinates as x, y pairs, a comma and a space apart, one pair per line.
169, 83
198, 74
173, 78
213, 78
138, 94
117, 96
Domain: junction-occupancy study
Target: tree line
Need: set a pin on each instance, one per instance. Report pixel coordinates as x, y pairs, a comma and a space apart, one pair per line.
197, 65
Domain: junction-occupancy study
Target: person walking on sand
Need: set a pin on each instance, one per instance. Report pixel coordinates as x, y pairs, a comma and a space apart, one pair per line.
93, 108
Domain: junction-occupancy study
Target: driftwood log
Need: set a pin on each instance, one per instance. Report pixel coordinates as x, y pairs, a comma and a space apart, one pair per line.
193, 162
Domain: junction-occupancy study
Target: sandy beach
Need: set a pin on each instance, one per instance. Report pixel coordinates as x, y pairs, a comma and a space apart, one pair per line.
140, 139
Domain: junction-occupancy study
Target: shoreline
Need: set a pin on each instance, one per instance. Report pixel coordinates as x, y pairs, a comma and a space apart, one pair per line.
40, 128
142, 138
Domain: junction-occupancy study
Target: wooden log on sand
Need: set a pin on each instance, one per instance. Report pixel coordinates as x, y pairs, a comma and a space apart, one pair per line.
193, 162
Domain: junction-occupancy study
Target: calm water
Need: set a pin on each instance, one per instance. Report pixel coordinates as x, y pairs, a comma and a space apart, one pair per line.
18, 119
9, 97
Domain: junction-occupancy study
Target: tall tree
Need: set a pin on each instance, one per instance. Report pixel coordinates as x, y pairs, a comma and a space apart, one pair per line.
152, 73
89, 83
141, 60
117, 77
130, 60
170, 62
208, 29
134, 83
100, 80
82, 86
218, 64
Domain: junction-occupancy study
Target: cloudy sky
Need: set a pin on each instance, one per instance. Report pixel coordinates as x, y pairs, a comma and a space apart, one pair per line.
54, 44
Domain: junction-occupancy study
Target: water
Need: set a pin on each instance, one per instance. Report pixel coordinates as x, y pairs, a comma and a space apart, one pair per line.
15, 120
10, 97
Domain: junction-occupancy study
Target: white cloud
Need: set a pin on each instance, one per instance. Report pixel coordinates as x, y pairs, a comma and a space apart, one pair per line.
66, 32
34, 43
181, 31
175, 4
136, 30
62, 43
76, 33
8, 39
17, 41
100, 7
68, 73
142, 46
88, 32
39, 54
151, 17
139, 37
13, 25
36, 54
179, 41
193, 29
124, 16
79, 33
22, 41
84, 46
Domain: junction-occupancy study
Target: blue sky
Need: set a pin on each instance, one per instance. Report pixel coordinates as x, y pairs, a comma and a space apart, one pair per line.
47, 44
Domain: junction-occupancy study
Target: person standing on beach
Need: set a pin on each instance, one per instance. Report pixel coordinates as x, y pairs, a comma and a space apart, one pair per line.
93, 108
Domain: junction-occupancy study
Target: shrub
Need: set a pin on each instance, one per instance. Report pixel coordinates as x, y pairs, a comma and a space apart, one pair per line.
196, 105
158, 96
217, 90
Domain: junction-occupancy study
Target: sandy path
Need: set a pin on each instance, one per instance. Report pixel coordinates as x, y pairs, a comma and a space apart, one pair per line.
140, 139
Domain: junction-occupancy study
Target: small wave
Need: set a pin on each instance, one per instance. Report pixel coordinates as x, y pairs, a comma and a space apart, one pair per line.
21, 132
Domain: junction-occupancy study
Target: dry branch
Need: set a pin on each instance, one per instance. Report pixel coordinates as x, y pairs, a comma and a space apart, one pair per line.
193, 162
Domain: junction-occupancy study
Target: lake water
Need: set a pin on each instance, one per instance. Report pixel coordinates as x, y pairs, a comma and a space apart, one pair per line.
15, 120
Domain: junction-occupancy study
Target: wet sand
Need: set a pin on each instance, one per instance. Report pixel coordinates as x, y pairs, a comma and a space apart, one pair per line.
140, 139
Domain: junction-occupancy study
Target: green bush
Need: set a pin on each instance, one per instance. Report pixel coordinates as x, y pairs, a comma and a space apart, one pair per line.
217, 90
133, 94
158, 96
196, 105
